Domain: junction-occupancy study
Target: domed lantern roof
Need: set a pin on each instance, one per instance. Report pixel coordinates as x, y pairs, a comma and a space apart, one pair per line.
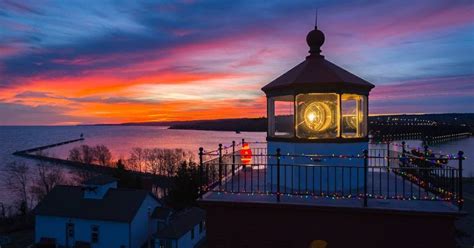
316, 74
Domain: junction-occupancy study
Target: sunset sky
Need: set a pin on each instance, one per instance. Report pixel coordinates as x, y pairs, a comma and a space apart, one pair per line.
73, 62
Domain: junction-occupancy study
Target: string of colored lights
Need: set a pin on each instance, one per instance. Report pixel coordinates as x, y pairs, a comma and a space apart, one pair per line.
357, 156
424, 158
411, 147
336, 196
445, 195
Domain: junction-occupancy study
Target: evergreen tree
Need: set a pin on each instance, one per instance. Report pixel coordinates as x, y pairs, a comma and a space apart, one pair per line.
185, 188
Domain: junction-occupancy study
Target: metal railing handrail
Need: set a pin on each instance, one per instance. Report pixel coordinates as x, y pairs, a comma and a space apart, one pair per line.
427, 177
358, 156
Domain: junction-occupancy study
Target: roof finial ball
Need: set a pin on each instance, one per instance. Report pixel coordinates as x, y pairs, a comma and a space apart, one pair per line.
315, 38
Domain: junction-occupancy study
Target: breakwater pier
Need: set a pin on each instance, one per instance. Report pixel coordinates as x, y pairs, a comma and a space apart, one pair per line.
35, 154
41, 148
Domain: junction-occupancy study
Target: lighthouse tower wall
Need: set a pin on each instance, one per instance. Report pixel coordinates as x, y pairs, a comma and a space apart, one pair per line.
301, 174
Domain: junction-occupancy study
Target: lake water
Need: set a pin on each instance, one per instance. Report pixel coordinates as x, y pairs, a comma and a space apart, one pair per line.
121, 139
452, 147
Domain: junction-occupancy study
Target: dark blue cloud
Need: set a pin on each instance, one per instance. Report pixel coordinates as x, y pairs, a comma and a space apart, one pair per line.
148, 27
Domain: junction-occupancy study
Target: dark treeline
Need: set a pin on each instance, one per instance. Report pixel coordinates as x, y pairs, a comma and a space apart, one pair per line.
176, 164
156, 161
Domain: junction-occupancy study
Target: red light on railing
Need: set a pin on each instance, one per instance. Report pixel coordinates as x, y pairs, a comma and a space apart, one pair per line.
246, 154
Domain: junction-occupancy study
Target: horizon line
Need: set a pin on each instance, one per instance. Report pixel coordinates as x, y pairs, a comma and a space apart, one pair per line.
168, 121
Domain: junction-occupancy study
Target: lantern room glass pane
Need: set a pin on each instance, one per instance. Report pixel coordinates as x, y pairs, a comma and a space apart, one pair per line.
317, 115
281, 116
354, 116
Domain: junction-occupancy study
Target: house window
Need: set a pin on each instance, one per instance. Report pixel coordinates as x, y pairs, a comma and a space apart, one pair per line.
95, 234
192, 233
200, 227
70, 230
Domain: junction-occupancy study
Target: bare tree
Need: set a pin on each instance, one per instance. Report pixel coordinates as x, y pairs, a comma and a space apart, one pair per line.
177, 157
152, 160
16, 179
75, 154
165, 161
137, 158
172, 160
102, 155
48, 176
87, 154
160, 160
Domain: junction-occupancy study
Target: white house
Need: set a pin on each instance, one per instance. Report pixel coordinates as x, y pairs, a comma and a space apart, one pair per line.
185, 229
97, 214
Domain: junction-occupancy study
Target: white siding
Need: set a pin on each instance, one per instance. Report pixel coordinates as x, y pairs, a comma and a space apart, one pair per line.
186, 241
111, 234
140, 223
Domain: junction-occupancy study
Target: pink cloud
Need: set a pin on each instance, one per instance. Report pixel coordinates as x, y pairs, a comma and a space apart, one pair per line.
431, 87
7, 50
355, 28
420, 24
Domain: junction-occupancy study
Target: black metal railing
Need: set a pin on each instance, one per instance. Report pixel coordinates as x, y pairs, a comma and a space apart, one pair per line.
385, 174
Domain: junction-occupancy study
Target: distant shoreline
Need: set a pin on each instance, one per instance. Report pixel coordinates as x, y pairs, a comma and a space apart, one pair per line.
237, 124
260, 124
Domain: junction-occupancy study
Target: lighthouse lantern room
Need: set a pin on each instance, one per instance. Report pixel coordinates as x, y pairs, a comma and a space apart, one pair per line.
317, 107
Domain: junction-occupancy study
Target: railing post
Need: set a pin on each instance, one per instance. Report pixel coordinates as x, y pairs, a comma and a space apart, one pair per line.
278, 174
220, 166
366, 168
201, 173
233, 157
403, 154
460, 197
388, 154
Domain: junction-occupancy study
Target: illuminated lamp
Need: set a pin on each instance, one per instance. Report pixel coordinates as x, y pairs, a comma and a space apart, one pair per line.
317, 116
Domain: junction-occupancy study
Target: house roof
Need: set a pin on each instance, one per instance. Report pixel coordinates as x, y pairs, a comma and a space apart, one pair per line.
120, 205
181, 223
316, 74
100, 180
